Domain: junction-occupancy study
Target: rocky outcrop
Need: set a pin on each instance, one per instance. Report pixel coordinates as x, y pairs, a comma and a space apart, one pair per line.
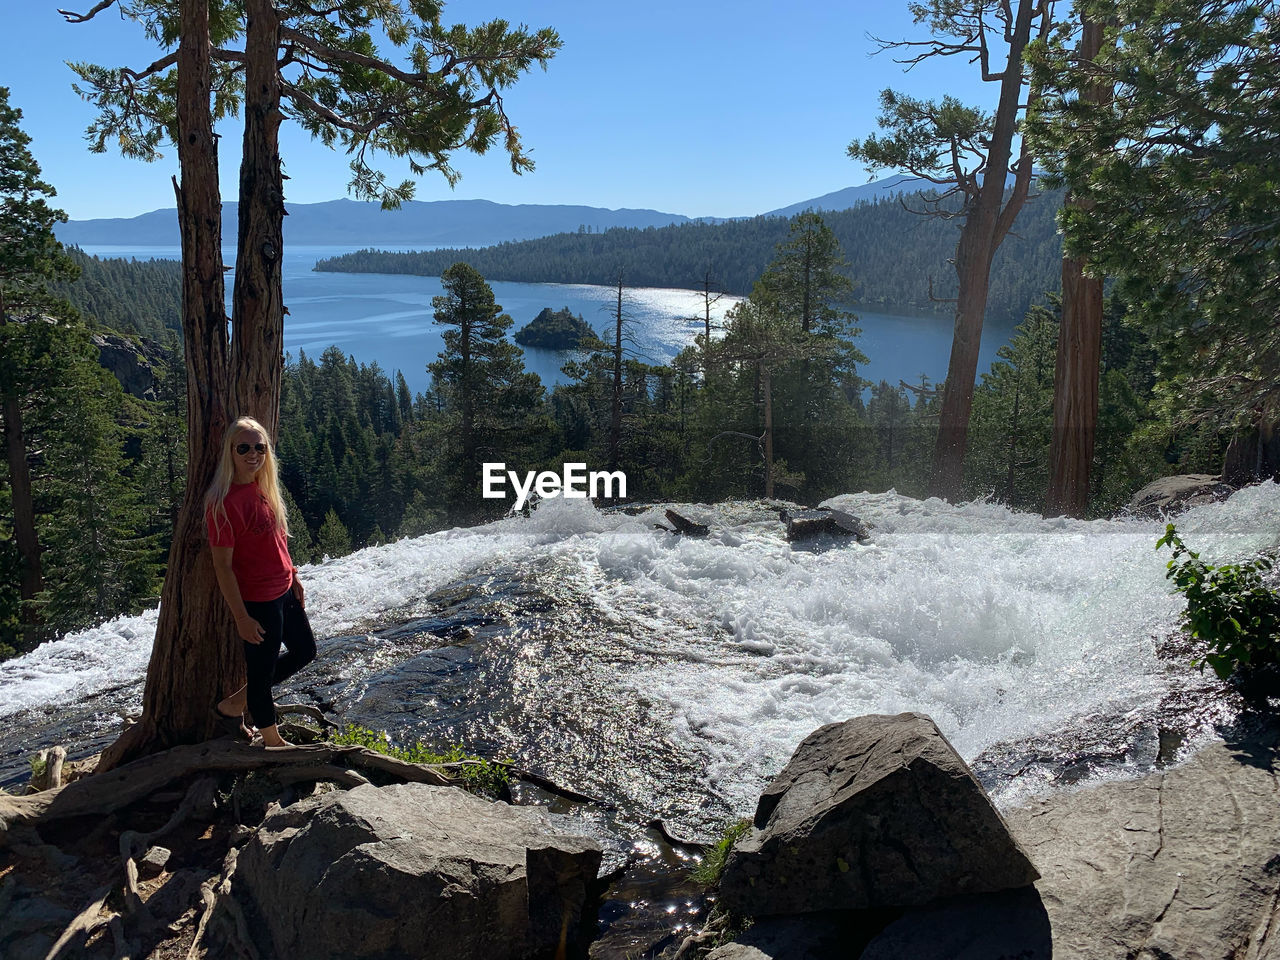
875, 812
1172, 494
416, 871
131, 362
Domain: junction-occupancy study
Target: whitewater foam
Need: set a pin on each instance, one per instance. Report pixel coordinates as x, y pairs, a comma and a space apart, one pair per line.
999, 625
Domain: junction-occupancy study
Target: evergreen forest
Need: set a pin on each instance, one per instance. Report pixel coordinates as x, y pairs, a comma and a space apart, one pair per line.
896, 257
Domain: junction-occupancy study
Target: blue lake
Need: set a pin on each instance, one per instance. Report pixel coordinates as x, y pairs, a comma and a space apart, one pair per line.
387, 319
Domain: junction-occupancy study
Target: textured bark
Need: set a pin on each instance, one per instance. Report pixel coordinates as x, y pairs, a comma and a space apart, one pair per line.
24, 512
1075, 382
986, 224
766, 386
195, 657
615, 407
24, 518
257, 349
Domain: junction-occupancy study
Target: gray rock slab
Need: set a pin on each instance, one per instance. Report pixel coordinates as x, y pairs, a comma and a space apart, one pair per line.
875, 812
411, 870
1182, 863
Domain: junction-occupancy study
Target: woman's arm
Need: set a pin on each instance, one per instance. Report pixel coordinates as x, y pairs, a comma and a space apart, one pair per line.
249, 629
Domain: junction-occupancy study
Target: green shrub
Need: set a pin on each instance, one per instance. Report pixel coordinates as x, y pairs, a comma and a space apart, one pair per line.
475, 773
708, 871
1229, 607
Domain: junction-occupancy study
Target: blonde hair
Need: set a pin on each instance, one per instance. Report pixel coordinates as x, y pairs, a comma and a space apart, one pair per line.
267, 478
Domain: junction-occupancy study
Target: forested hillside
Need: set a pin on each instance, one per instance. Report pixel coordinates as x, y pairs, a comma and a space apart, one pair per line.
893, 257
143, 297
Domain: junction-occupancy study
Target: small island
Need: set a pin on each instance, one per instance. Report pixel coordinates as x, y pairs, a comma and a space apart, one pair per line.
557, 330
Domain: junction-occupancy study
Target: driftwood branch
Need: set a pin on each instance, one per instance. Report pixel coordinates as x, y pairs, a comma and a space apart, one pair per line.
107, 792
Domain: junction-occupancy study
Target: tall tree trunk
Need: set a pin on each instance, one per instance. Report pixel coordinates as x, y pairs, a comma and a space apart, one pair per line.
24, 512
196, 656
1078, 368
766, 385
615, 408
257, 347
986, 224
24, 515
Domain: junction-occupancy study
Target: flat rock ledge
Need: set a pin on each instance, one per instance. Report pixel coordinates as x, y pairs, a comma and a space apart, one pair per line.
412, 870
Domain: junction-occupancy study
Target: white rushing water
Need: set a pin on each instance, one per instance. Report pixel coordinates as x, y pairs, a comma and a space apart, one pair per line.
999, 625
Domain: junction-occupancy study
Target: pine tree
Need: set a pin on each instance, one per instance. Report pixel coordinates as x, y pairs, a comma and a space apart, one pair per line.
332, 539
494, 404
30, 258
1178, 172
970, 153
101, 562
449, 99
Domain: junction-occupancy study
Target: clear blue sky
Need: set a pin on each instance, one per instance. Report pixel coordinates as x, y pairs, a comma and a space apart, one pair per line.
697, 107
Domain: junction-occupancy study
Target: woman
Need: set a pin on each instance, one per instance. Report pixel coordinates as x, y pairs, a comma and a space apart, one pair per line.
248, 531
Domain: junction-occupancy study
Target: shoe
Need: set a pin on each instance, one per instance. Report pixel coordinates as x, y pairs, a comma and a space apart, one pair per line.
232, 726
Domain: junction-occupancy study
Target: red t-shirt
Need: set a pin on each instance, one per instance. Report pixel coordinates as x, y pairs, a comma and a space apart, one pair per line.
260, 559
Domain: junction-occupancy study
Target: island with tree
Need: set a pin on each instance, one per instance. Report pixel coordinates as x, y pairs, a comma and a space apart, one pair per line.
557, 330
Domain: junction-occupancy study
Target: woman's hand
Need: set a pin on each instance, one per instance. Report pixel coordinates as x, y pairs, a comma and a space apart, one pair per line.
298, 592
250, 630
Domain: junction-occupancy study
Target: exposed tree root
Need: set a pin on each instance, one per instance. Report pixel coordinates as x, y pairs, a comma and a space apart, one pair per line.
105, 793
216, 895
88, 920
308, 711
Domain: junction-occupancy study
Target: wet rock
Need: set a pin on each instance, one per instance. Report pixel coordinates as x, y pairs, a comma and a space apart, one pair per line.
331, 877
1172, 494
825, 521
874, 812
686, 526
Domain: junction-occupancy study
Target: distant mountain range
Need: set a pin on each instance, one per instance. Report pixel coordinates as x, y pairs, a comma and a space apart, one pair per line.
350, 221
417, 223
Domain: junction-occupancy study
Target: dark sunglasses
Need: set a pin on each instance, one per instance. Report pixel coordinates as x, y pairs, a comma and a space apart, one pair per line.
243, 448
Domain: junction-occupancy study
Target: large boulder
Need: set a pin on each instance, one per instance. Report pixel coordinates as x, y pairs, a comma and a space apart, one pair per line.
874, 812
416, 871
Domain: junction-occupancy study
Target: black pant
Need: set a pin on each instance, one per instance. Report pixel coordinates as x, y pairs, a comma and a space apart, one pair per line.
283, 621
